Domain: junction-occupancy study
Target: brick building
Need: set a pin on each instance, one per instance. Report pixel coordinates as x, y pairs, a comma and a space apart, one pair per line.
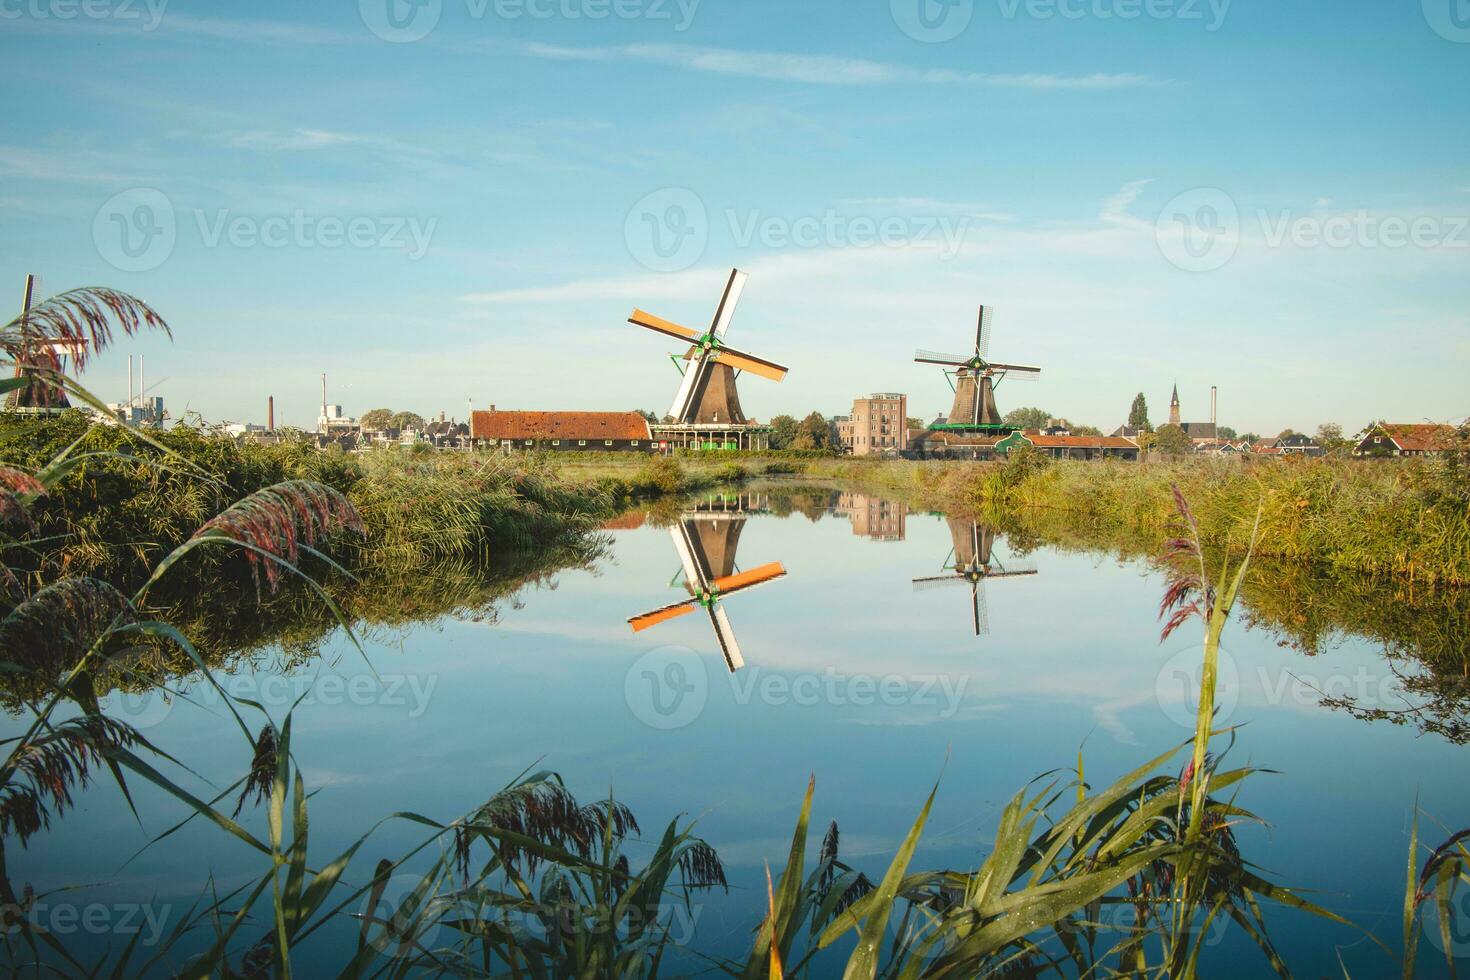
563, 431
878, 425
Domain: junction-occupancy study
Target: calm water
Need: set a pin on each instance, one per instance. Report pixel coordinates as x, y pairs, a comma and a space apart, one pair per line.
851, 672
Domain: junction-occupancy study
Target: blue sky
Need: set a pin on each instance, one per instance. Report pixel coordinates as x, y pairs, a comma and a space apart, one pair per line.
1271, 197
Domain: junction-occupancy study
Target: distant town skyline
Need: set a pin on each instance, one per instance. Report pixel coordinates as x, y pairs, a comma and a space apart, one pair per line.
1144, 199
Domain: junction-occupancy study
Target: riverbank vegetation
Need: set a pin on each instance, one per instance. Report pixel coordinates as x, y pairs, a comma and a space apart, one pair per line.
125, 502
1401, 519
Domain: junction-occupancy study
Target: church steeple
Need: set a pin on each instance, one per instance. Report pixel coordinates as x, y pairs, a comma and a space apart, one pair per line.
1174, 405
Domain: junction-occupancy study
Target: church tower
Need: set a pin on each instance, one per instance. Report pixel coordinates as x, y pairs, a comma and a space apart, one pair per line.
1174, 406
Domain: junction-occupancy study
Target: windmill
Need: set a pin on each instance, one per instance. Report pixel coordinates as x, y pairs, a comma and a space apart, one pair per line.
44, 354
706, 543
976, 378
971, 563
707, 395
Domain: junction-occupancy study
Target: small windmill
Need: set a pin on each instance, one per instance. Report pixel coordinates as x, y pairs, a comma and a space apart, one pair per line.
976, 378
707, 395
706, 545
44, 354
971, 563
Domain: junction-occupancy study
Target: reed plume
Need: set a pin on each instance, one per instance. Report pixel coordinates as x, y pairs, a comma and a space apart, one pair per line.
54, 629
279, 520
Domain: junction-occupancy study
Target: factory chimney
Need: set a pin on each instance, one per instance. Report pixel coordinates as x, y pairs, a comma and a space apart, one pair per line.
270, 413
1214, 402
130, 382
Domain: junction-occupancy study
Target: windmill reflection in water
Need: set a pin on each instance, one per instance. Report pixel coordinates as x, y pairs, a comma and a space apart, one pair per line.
705, 538
971, 562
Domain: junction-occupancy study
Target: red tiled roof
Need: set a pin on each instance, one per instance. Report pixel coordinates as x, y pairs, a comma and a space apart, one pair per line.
1420, 437
1079, 442
560, 425
1268, 451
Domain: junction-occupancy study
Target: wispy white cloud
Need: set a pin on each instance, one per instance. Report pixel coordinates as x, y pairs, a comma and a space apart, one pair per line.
1115, 208
258, 31
817, 69
925, 206
290, 139
814, 69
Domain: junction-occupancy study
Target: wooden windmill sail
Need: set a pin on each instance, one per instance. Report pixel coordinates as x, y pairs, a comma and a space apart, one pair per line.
972, 563
707, 395
706, 544
976, 377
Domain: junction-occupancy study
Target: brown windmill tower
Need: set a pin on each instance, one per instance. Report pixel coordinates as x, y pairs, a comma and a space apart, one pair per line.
975, 378
707, 395
971, 563
706, 543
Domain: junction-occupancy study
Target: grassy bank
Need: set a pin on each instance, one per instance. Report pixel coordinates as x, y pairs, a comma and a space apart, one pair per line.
1407, 519
126, 503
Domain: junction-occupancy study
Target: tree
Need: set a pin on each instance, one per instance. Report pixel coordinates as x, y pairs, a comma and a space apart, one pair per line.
1328, 433
814, 432
1286, 433
1251, 437
377, 419
783, 432
1086, 430
407, 422
651, 418
1028, 418
1225, 432
1138, 414
914, 423
1171, 440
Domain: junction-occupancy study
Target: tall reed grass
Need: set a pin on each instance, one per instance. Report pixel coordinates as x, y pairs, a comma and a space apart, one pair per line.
1407, 519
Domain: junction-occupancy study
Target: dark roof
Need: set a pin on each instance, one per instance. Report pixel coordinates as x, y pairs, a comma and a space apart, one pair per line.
1419, 437
1200, 430
560, 425
1079, 442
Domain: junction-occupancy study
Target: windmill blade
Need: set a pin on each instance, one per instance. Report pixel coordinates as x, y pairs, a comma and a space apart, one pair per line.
1010, 572
1019, 368
982, 333
694, 376
726, 635
938, 581
749, 362
982, 610
663, 615
693, 574
934, 357
731, 584
728, 301
659, 324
